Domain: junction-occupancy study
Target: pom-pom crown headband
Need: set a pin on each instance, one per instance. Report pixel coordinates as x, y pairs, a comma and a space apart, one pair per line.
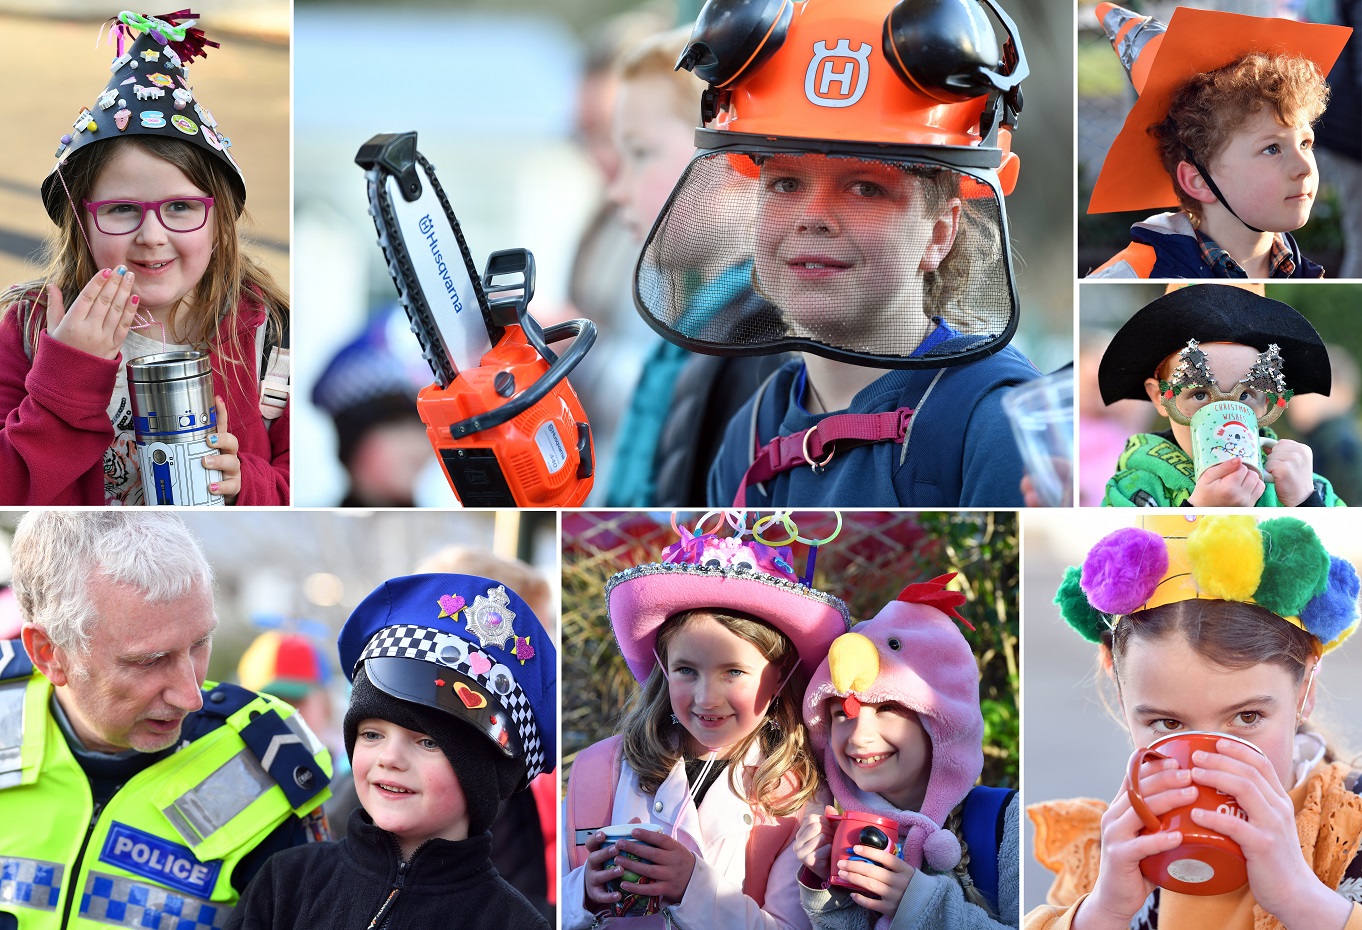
1278, 564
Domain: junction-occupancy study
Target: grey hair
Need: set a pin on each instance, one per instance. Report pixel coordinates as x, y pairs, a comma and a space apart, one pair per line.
57, 553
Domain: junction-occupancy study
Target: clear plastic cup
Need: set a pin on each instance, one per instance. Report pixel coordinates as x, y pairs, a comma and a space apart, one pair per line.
1042, 416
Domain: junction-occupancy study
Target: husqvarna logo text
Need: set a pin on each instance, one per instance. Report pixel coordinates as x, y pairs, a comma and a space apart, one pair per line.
837, 76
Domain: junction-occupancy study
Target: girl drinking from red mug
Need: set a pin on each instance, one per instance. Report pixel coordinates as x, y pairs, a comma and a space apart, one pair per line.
1213, 624
894, 713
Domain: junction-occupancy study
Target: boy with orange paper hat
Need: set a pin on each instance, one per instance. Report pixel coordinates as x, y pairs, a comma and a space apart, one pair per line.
1222, 131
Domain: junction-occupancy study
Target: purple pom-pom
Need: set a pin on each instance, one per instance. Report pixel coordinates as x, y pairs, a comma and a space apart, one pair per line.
1123, 569
942, 851
1331, 612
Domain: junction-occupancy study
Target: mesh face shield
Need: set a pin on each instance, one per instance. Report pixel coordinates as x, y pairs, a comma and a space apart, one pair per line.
891, 258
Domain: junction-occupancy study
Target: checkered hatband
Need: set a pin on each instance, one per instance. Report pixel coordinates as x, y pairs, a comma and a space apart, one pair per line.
412, 641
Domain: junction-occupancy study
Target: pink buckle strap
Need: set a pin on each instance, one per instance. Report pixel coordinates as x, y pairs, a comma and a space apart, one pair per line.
816, 446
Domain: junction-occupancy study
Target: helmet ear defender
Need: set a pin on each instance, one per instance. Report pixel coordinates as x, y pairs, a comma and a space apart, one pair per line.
945, 50
731, 36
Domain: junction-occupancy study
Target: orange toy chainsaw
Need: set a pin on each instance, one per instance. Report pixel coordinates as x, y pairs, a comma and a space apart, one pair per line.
503, 419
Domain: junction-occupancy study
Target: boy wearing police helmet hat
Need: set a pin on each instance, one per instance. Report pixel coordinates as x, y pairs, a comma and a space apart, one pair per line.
453, 709
879, 135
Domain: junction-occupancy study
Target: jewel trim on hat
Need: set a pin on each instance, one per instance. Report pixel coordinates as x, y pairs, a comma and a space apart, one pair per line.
740, 571
412, 641
490, 617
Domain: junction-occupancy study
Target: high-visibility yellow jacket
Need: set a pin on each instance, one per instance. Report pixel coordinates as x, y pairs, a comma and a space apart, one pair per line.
159, 854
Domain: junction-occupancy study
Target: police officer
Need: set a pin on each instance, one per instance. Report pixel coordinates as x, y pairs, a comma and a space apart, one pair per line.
132, 792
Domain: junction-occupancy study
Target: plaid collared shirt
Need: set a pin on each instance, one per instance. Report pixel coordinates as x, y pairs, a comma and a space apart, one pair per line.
1279, 261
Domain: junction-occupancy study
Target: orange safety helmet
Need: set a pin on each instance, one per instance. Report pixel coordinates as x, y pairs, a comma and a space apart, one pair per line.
929, 73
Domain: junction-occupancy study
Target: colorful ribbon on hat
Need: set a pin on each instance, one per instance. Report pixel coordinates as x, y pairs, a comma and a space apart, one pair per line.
1278, 564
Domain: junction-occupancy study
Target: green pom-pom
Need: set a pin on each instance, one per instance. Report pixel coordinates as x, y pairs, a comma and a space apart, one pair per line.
1295, 566
1075, 609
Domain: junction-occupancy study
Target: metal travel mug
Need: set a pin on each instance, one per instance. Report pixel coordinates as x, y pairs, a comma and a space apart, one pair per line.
173, 414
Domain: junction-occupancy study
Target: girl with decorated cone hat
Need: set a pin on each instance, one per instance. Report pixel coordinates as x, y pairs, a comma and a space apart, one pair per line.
454, 709
893, 712
722, 634
147, 259
1213, 624
1222, 131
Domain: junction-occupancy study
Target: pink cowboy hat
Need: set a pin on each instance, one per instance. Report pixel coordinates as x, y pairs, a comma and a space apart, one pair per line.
724, 573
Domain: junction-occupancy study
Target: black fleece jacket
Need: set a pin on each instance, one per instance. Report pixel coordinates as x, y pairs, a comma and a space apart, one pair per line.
343, 886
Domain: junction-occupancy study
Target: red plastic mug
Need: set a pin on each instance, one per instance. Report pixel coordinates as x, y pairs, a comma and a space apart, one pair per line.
859, 828
1207, 862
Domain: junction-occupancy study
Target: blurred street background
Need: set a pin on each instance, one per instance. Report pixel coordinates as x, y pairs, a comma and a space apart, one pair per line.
52, 52
1074, 748
510, 104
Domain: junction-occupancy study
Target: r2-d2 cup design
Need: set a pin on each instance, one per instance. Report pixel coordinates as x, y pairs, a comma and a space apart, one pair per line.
173, 412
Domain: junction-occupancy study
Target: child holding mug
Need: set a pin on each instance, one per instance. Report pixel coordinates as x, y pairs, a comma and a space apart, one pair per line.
894, 713
1201, 346
712, 759
1214, 624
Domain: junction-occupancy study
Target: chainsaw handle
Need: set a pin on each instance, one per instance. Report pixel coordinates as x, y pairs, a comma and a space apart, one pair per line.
584, 332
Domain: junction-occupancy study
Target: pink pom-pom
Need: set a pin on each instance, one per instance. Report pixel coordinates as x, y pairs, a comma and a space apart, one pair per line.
1122, 571
942, 851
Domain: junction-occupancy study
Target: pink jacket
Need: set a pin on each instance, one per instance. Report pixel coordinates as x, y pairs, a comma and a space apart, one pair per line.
56, 426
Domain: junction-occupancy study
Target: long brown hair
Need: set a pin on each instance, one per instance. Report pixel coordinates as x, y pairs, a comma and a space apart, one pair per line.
1230, 634
652, 742
214, 304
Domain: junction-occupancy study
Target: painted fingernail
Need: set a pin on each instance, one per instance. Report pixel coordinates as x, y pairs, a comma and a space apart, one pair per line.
213, 487
213, 440
121, 269
105, 273
136, 299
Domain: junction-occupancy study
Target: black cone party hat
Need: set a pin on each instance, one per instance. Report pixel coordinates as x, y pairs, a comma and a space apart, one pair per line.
148, 94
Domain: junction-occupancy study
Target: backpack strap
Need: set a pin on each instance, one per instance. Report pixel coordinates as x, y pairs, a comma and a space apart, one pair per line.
275, 368
591, 794
983, 823
816, 445
764, 844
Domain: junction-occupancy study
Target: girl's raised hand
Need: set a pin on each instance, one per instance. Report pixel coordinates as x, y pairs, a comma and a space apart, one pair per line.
229, 483
667, 865
1282, 881
1121, 888
99, 319
886, 875
813, 841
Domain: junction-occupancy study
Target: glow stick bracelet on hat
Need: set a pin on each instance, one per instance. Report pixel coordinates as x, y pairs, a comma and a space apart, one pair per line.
790, 527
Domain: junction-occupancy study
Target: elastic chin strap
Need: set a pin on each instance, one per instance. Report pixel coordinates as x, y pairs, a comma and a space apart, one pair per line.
1300, 711
1210, 182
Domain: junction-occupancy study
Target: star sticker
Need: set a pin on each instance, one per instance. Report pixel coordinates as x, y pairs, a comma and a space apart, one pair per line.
450, 605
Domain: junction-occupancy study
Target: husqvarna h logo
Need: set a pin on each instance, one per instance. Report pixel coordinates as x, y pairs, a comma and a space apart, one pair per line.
837, 76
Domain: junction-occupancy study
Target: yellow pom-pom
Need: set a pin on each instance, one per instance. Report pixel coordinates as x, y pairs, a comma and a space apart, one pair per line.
1227, 557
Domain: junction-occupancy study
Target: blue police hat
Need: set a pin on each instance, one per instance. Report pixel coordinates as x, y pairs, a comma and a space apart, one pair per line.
467, 646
